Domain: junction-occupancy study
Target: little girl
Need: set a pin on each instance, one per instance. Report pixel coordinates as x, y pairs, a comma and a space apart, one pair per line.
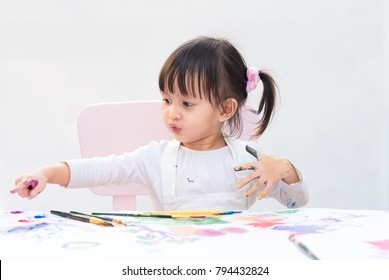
204, 84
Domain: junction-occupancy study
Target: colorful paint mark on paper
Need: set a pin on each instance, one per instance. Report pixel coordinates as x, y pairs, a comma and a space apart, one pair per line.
290, 211
266, 223
301, 229
16, 212
196, 231
233, 230
381, 244
25, 221
178, 221
39, 216
28, 228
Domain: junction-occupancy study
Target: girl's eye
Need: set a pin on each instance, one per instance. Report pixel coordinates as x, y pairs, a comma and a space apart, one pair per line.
188, 104
167, 100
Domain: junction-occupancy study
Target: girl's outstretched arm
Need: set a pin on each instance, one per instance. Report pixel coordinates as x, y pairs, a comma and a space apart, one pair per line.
32, 184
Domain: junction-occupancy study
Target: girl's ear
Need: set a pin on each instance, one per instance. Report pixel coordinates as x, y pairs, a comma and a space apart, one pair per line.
229, 108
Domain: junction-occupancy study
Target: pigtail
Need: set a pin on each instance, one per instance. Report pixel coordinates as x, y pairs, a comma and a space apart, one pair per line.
268, 102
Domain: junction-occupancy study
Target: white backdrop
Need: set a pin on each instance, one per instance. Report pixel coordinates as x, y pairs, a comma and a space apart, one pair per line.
329, 57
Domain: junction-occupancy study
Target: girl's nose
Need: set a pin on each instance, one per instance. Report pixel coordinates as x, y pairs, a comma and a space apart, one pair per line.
174, 113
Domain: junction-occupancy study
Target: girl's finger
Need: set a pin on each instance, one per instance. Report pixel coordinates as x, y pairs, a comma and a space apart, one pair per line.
17, 181
32, 195
17, 185
13, 190
247, 180
253, 188
22, 192
267, 189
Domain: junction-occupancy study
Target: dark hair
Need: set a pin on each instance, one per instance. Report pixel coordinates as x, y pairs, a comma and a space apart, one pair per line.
214, 69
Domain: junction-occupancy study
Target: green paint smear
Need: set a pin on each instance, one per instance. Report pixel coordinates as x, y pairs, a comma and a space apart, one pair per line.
287, 211
180, 222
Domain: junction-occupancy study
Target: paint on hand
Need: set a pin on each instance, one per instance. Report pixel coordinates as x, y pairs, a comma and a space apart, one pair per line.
31, 184
261, 195
244, 167
252, 152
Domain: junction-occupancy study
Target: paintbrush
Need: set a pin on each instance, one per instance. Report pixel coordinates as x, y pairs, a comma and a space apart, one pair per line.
302, 247
107, 219
151, 215
91, 220
194, 213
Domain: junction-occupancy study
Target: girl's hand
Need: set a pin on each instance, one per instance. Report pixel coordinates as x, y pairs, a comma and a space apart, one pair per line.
267, 171
30, 186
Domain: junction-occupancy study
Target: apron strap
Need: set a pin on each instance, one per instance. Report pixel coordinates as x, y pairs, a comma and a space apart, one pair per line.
169, 169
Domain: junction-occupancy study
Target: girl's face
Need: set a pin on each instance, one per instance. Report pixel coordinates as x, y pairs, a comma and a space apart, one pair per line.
193, 121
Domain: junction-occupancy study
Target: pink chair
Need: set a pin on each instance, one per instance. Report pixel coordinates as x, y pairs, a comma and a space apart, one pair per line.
115, 128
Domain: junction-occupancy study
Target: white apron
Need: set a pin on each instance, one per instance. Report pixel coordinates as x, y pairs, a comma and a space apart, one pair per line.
210, 201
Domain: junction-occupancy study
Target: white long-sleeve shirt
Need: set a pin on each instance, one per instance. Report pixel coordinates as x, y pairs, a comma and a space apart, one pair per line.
180, 178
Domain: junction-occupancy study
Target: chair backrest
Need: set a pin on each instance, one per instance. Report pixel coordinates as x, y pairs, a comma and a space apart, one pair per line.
115, 128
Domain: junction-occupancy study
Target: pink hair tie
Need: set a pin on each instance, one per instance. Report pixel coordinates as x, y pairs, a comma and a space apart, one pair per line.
252, 78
